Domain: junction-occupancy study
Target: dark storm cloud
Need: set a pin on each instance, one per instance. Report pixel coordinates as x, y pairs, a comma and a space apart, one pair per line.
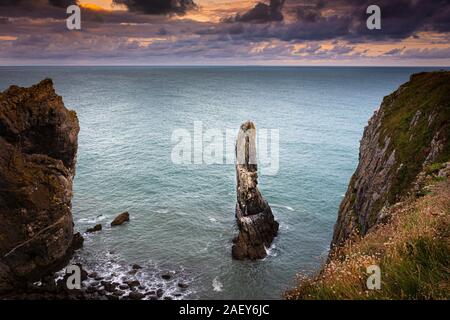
403, 18
62, 3
37, 3
262, 13
34, 8
56, 9
399, 18
158, 6
324, 20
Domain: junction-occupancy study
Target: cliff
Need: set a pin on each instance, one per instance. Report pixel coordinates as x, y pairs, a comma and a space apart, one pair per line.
412, 252
255, 221
396, 212
38, 147
407, 133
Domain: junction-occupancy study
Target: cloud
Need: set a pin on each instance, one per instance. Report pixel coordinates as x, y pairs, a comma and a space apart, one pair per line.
399, 18
393, 52
308, 30
62, 3
261, 13
422, 53
35, 8
37, 3
341, 19
158, 6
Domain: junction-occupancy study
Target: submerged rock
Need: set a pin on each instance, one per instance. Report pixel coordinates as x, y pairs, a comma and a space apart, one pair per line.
133, 283
124, 287
121, 219
97, 227
38, 147
135, 295
109, 286
77, 241
255, 221
84, 274
166, 276
54, 286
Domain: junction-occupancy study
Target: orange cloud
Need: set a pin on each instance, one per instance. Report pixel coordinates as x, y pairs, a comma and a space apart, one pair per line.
99, 5
216, 10
7, 38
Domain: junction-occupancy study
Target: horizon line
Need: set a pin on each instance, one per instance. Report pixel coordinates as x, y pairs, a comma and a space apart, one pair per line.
225, 65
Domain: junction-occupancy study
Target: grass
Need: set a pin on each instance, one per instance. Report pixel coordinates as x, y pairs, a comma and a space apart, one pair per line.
412, 116
412, 250
434, 168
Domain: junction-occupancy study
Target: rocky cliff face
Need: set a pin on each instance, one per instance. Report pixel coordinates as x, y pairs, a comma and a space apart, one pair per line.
255, 221
410, 131
38, 147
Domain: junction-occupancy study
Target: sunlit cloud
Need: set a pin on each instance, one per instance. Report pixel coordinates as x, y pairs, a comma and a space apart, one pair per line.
215, 10
7, 38
98, 5
145, 42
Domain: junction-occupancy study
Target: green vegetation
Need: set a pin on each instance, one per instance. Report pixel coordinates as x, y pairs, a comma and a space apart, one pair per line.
413, 115
426, 97
434, 168
412, 250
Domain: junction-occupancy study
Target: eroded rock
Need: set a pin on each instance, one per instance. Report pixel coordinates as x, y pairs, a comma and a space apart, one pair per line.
97, 227
38, 147
135, 295
121, 219
255, 221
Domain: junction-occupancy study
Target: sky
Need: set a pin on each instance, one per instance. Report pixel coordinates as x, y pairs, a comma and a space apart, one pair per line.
225, 32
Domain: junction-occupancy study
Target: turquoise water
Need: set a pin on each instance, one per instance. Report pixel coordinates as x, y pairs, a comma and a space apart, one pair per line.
182, 216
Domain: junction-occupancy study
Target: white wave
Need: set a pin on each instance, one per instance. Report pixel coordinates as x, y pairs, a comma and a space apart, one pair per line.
284, 226
92, 220
212, 219
112, 268
217, 285
281, 206
206, 247
271, 251
100, 218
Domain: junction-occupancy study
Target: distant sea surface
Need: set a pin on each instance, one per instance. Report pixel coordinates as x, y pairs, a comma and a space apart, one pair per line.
182, 216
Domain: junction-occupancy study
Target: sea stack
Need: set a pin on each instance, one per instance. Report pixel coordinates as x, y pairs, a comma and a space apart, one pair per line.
255, 221
38, 147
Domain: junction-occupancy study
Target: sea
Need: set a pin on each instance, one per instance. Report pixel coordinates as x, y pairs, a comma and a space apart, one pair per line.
182, 214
